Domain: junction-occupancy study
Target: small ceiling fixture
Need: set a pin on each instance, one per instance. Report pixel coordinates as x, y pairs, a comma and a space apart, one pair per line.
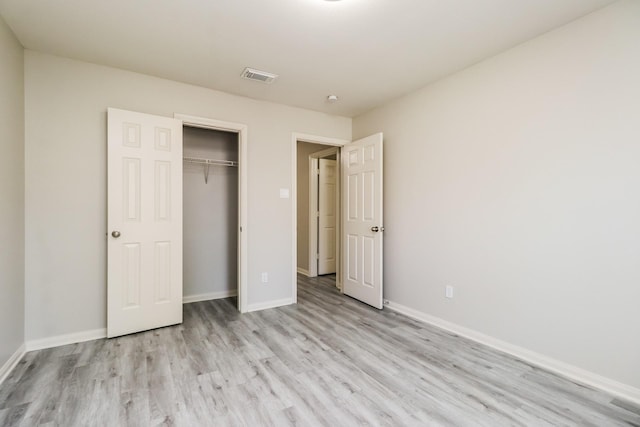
332, 98
259, 76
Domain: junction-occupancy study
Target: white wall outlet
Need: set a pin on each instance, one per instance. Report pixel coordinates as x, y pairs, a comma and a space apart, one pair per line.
265, 277
448, 291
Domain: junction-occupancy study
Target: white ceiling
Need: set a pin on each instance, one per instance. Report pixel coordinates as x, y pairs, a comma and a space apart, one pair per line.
365, 51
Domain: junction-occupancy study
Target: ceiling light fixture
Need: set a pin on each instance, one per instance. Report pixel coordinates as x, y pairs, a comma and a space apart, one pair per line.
332, 98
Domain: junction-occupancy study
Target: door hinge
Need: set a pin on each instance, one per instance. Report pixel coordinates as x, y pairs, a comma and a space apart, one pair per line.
318, 214
317, 256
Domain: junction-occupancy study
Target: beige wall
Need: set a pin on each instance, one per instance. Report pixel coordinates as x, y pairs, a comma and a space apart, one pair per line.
517, 181
304, 150
11, 194
66, 104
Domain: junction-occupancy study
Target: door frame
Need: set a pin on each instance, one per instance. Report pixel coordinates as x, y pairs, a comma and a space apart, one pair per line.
241, 130
314, 207
314, 139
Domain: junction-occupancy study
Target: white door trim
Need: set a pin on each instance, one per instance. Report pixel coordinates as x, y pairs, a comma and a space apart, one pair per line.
241, 130
313, 208
315, 139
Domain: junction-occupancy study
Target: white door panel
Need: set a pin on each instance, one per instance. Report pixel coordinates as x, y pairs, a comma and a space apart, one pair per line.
144, 267
363, 220
327, 219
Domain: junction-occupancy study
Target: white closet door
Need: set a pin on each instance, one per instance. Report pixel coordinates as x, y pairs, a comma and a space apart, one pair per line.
144, 196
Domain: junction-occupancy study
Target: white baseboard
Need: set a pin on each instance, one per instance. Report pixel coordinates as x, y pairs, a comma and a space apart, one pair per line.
209, 296
77, 337
303, 271
561, 368
58, 340
16, 357
269, 304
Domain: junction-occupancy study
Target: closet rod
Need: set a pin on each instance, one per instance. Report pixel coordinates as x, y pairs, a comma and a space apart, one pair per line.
210, 162
216, 162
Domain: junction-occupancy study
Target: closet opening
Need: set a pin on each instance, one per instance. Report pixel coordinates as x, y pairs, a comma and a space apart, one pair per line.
211, 220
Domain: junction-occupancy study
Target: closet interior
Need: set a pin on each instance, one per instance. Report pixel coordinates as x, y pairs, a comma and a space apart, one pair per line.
210, 213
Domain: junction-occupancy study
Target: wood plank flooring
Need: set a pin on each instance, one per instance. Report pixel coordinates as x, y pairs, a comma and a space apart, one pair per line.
327, 361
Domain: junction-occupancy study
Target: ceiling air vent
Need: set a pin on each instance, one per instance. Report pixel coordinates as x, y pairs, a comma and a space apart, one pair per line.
259, 76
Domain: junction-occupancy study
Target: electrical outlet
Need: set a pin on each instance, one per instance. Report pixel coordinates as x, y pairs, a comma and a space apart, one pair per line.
265, 277
448, 291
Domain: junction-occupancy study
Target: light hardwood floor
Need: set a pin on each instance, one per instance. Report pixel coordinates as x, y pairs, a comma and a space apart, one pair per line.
327, 361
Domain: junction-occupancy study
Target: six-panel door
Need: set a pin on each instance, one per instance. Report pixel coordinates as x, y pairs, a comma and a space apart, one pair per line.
327, 216
144, 267
362, 215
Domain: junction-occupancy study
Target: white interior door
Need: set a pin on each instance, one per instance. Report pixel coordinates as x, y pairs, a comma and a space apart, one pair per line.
327, 221
144, 196
362, 216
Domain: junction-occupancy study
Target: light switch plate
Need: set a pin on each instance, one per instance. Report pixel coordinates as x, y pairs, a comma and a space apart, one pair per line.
448, 291
284, 193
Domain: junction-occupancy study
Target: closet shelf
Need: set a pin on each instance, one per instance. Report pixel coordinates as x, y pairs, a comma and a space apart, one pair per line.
210, 162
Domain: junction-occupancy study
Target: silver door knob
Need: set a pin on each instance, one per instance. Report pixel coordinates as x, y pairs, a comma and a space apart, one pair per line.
115, 234
375, 229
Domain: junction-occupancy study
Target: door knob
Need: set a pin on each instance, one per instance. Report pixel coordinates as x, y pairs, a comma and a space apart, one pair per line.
375, 229
115, 234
